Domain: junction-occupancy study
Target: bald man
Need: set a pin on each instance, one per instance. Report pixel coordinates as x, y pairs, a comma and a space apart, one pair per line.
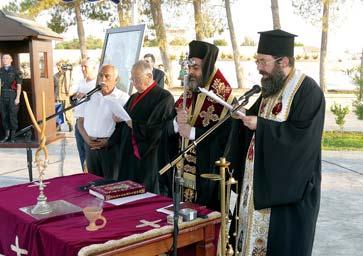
96, 124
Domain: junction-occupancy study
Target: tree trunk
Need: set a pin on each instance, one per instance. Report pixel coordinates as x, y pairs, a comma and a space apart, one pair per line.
236, 54
80, 30
361, 66
324, 44
275, 14
124, 12
155, 6
198, 18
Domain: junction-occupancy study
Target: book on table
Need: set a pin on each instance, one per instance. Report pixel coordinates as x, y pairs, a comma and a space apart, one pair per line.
117, 190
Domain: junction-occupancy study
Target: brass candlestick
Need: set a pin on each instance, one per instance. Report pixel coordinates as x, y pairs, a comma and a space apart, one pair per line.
42, 207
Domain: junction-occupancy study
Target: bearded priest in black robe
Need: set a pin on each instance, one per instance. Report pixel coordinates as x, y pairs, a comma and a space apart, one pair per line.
150, 108
276, 150
202, 113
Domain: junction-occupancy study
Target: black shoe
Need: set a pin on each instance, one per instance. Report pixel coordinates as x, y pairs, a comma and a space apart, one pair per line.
12, 137
7, 135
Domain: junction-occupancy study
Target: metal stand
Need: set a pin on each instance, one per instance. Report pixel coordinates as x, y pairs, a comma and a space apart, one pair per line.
29, 154
178, 183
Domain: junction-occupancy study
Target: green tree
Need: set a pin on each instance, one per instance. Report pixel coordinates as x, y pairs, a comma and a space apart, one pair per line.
275, 14
64, 15
157, 17
236, 54
322, 11
340, 113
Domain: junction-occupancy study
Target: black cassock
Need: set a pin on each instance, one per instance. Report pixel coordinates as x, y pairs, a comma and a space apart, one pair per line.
287, 169
149, 117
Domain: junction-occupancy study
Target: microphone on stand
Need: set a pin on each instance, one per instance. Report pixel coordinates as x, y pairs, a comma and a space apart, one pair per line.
91, 92
74, 100
255, 89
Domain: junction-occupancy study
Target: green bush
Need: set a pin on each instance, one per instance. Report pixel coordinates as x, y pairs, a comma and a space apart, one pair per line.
179, 42
340, 113
151, 43
248, 42
91, 43
220, 42
357, 75
298, 44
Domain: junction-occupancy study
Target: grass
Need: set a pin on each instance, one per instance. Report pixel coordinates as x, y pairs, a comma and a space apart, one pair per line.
337, 141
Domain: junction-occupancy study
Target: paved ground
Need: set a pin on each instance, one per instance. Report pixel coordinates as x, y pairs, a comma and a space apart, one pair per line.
340, 225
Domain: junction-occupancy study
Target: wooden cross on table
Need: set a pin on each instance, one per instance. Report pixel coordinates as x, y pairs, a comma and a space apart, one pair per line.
149, 223
17, 249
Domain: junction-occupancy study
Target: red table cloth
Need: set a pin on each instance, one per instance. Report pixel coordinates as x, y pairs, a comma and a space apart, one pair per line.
66, 235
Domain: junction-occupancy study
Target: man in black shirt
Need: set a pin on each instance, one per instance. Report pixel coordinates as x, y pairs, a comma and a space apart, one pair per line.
158, 74
11, 81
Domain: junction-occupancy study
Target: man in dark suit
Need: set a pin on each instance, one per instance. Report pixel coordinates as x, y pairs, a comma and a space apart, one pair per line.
158, 74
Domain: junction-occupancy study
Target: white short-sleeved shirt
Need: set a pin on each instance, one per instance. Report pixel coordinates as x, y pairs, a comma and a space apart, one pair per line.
82, 87
97, 114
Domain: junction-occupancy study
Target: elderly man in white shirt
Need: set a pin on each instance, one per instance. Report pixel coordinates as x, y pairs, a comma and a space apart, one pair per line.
79, 90
96, 124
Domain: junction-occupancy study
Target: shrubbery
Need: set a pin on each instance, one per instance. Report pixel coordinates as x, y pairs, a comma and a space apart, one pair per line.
91, 43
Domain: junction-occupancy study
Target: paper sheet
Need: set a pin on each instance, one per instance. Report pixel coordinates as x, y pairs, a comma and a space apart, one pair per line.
220, 101
117, 109
128, 199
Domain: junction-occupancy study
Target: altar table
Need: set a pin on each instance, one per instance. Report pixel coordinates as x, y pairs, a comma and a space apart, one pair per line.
21, 234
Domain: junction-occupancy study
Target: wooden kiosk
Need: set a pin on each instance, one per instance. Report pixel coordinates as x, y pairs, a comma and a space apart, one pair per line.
30, 45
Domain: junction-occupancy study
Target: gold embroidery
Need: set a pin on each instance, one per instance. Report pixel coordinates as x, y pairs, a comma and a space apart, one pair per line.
191, 158
208, 115
189, 168
220, 88
188, 195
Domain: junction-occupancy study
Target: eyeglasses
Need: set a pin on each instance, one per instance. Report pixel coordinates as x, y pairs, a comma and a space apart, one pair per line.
264, 63
136, 79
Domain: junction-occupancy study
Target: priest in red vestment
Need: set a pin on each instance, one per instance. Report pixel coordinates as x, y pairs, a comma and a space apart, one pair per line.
202, 113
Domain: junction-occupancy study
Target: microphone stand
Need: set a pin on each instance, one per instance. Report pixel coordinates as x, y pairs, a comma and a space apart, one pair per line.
178, 181
178, 178
27, 131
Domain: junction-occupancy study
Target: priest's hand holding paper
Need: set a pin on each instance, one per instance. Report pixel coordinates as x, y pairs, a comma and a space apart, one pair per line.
119, 113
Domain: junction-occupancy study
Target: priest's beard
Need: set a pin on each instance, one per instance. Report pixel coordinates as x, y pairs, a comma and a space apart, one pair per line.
195, 82
272, 83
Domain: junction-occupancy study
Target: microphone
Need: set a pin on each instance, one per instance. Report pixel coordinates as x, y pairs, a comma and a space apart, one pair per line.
87, 96
96, 89
255, 89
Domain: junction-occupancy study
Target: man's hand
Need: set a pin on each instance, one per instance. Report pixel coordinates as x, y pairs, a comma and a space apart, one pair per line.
116, 118
78, 95
250, 122
182, 116
129, 123
98, 144
17, 101
184, 130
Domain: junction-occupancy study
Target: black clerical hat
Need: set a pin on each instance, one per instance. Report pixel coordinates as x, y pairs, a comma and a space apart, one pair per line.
200, 49
276, 42
208, 53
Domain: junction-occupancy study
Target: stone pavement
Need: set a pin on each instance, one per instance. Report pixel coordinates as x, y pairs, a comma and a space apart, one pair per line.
339, 230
